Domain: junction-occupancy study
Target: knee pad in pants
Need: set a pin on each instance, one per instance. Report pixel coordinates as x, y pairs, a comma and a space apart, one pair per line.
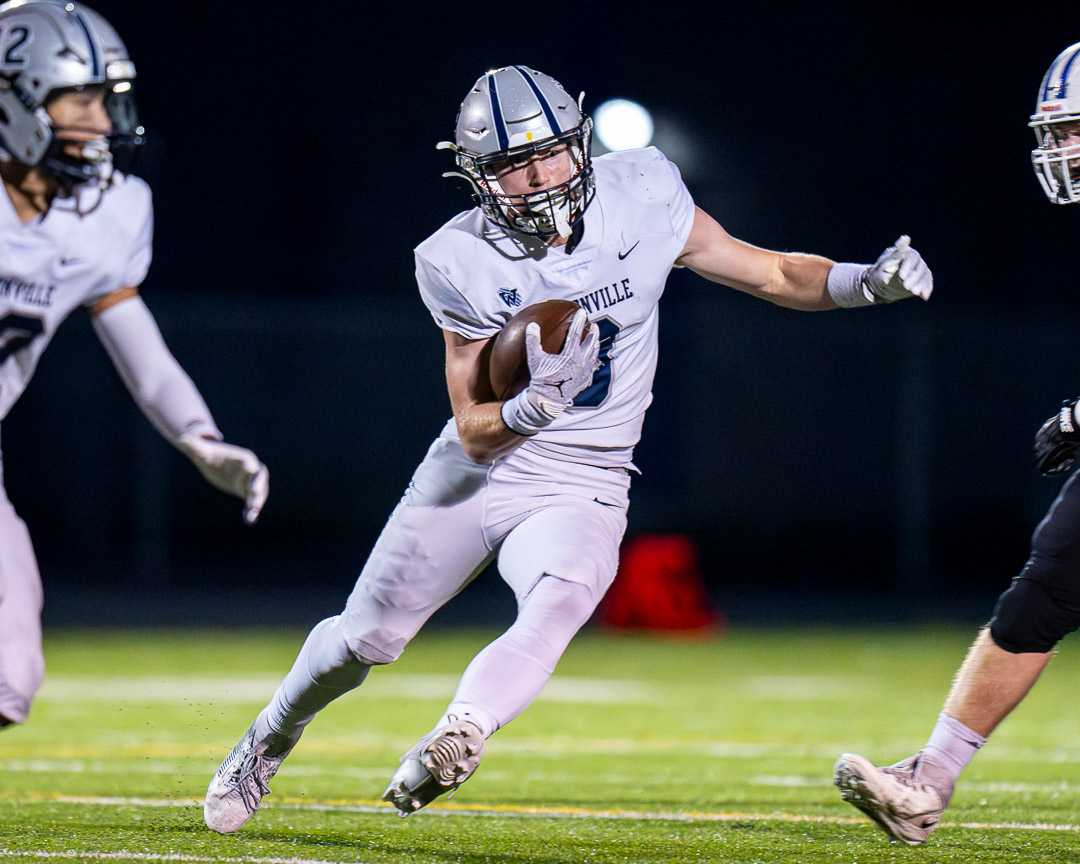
1035, 614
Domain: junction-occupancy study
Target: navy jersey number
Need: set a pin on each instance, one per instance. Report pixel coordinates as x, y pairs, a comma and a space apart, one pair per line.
20, 35
16, 332
594, 395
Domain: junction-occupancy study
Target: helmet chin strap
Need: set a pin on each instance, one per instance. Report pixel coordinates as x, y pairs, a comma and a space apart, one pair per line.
561, 215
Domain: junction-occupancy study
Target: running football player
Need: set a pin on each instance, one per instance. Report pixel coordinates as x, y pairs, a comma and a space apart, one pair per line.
541, 480
1042, 605
74, 232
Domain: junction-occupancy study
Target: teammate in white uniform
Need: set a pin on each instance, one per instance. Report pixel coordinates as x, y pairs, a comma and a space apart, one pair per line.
75, 233
541, 480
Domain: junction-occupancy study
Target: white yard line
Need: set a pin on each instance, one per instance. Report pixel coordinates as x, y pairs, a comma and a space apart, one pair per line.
510, 811
156, 856
186, 767
258, 688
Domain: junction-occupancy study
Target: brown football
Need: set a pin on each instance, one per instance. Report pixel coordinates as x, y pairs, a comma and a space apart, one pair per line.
508, 366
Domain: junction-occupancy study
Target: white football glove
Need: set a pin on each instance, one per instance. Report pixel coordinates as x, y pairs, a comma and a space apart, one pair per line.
234, 470
554, 379
558, 378
899, 273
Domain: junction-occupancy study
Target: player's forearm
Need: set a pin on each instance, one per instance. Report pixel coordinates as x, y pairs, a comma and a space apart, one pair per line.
483, 432
159, 386
801, 283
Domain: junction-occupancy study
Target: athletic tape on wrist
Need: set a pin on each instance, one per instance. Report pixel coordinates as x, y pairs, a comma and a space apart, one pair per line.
527, 415
846, 288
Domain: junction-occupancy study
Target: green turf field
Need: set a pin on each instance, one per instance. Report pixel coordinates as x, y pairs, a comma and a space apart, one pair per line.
641, 750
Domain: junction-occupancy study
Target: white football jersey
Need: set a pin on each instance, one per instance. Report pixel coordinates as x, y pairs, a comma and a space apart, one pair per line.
474, 277
60, 261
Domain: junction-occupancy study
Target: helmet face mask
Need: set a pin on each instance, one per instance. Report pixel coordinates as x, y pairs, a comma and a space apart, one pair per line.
1056, 159
1056, 124
546, 212
511, 116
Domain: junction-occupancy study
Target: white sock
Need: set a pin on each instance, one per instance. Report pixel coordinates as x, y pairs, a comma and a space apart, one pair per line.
324, 669
484, 719
952, 745
505, 677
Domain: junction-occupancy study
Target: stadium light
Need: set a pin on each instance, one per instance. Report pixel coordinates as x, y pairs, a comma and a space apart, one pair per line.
623, 125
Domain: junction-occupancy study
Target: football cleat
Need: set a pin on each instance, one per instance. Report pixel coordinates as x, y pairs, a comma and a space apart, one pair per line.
242, 780
902, 806
439, 763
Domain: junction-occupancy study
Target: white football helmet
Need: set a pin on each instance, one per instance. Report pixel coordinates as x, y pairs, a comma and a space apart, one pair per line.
510, 114
1056, 123
48, 47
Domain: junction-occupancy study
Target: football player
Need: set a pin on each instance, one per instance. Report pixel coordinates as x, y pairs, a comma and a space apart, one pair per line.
75, 232
1042, 605
539, 481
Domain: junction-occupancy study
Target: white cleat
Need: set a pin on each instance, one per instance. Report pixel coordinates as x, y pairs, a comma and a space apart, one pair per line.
905, 807
439, 763
241, 782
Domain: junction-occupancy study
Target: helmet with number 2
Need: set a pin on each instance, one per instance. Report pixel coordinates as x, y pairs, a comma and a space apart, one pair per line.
47, 48
1056, 122
509, 115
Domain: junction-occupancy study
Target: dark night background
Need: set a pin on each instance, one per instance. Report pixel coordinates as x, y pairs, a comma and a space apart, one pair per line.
836, 466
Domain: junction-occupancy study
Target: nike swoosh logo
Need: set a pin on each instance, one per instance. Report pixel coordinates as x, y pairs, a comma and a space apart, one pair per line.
628, 251
68, 262
604, 503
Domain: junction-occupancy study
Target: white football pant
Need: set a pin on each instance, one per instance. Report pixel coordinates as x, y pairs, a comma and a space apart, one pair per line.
538, 515
22, 664
548, 521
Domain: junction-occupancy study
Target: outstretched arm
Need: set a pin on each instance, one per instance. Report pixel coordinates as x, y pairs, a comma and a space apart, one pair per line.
171, 401
805, 282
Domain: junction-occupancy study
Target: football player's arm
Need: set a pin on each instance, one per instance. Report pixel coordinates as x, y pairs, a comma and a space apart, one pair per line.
489, 428
478, 415
805, 282
169, 398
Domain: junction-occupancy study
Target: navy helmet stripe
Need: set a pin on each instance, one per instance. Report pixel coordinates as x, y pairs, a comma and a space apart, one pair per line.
1045, 88
1063, 79
496, 114
544, 106
1064, 88
89, 41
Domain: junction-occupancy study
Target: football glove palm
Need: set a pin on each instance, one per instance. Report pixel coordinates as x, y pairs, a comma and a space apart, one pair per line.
234, 470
